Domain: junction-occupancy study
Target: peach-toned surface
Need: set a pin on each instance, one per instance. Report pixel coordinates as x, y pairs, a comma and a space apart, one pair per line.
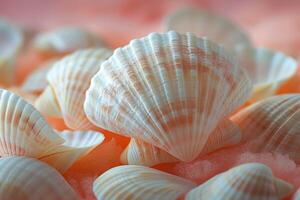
274, 24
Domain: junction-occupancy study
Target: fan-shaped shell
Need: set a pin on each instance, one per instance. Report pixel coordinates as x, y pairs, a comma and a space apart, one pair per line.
65, 40
24, 132
207, 24
268, 69
169, 90
36, 82
11, 40
272, 125
248, 181
142, 153
29, 179
69, 79
140, 183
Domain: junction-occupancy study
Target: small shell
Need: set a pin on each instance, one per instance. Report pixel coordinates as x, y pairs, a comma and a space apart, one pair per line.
272, 125
11, 40
29, 179
138, 182
207, 24
68, 81
65, 40
268, 69
142, 153
248, 181
24, 132
169, 90
36, 82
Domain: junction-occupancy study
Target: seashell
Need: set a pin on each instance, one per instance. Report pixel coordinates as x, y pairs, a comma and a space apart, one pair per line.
29, 179
68, 81
65, 40
268, 69
138, 182
29, 97
169, 90
11, 41
24, 132
272, 125
36, 82
253, 181
142, 153
207, 24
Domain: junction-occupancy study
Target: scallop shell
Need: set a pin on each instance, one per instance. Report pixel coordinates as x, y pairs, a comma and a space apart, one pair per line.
142, 153
138, 182
169, 90
29, 179
29, 97
268, 69
36, 82
65, 40
24, 132
207, 24
248, 181
11, 41
69, 79
272, 125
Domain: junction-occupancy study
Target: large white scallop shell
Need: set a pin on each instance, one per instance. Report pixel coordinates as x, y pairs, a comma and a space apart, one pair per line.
272, 124
11, 40
268, 69
65, 40
29, 179
252, 181
207, 24
169, 90
24, 132
138, 182
142, 153
69, 79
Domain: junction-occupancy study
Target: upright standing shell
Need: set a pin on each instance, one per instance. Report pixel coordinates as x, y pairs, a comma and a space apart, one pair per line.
169, 90
252, 181
29, 179
69, 79
142, 153
268, 69
272, 125
24, 132
65, 40
207, 24
36, 82
138, 182
11, 40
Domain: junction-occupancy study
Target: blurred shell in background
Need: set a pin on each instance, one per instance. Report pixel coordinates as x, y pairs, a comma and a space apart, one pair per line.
11, 40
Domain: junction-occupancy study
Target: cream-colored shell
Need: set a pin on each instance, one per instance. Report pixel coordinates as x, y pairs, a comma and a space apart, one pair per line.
24, 132
68, 80
169, 90
268, 69
142, 153
208, 24
252, 181
23, 178
11, 41
272, 125
139, 183
65, 40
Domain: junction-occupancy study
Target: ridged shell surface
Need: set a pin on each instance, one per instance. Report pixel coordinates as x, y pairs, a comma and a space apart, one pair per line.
252, 181
208, 24
272, 125
23, 178
69, 79
170, 90
139, 183
268, 69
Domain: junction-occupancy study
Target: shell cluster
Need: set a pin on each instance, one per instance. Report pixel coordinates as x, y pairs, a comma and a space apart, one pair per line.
179, 95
